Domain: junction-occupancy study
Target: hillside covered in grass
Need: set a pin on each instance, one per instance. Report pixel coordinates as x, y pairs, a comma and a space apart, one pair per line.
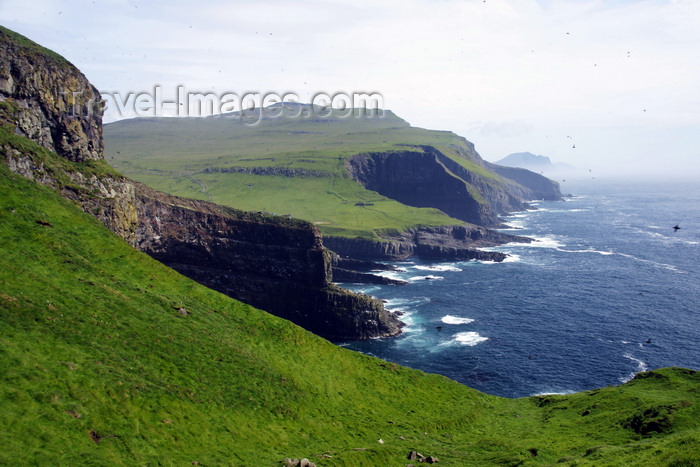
300, 166
109, 357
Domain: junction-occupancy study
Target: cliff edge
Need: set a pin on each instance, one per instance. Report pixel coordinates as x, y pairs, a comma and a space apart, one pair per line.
276, 264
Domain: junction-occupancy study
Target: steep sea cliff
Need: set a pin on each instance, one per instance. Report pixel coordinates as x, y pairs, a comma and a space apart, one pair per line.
273, 263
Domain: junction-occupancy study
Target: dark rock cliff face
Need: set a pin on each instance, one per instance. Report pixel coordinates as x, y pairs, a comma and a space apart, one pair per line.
502, 196
418, 178
425, 177
277, 264
541, 186
451, 242
518, 187
47, 93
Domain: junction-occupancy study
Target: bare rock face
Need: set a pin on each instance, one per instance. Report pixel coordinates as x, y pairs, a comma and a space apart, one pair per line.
417, 178
276, 264
279, 265
541, 186
422, 176
447, 242
52, 103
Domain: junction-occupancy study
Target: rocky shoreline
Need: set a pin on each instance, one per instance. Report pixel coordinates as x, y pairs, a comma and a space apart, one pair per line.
450, 242
356, 259
283, 266
276, 264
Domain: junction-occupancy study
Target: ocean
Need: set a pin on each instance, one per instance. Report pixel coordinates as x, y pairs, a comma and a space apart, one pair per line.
608, 289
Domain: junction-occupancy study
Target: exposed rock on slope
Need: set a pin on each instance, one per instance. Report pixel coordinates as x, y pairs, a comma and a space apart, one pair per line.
47, 93
418, 178
425, 177
273, 263
541, 187
278, 265
451, 242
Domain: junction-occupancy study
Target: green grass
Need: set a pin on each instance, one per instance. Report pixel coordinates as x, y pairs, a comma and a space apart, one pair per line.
93, 348
174, 155
31, 46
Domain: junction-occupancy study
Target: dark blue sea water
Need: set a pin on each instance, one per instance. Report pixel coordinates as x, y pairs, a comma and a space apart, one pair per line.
607, 290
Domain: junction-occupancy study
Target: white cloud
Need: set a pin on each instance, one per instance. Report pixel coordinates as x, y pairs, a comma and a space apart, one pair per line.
619, 76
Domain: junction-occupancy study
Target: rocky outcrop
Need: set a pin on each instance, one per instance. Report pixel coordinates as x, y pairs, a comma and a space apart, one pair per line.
425, 177
418, 178
106, 195
541, 186
357, 277
278, 265
47, 94
450, 242
362, 271
503, 196
274, 263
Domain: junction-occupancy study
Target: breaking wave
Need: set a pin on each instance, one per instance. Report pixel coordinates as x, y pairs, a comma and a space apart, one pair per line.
438, 268
449, 319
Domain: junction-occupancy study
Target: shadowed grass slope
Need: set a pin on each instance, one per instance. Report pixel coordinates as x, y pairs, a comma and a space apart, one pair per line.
109, 358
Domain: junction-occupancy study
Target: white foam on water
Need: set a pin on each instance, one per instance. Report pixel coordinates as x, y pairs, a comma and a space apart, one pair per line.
670, 267
393, 303
426, 278
389, 275
411, 327
511, 258
589, 250
651, 234
554, 393
469, 338
438, 268
562, 210
404, 305
539, 242
449, 319
513, 225
641, 366
367, 290
543, 242
407, 310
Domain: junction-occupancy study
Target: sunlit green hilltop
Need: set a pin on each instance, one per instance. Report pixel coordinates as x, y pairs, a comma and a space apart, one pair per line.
286, 165
108, 357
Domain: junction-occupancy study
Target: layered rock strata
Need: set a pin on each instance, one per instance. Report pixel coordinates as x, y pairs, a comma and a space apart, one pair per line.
450, 242
276, 264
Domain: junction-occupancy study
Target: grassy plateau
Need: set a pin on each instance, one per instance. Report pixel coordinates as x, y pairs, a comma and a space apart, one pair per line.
100, 366
193, 157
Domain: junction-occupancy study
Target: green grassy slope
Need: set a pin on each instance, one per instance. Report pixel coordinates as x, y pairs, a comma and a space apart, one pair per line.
163, 154
98, 366
32, 46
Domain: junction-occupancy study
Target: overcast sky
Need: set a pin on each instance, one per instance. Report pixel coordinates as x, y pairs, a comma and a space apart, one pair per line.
602, 84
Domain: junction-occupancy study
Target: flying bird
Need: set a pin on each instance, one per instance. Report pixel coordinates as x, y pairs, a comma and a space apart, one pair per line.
676, 228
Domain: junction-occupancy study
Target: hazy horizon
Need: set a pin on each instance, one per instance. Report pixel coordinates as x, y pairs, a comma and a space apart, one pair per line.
610, 86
